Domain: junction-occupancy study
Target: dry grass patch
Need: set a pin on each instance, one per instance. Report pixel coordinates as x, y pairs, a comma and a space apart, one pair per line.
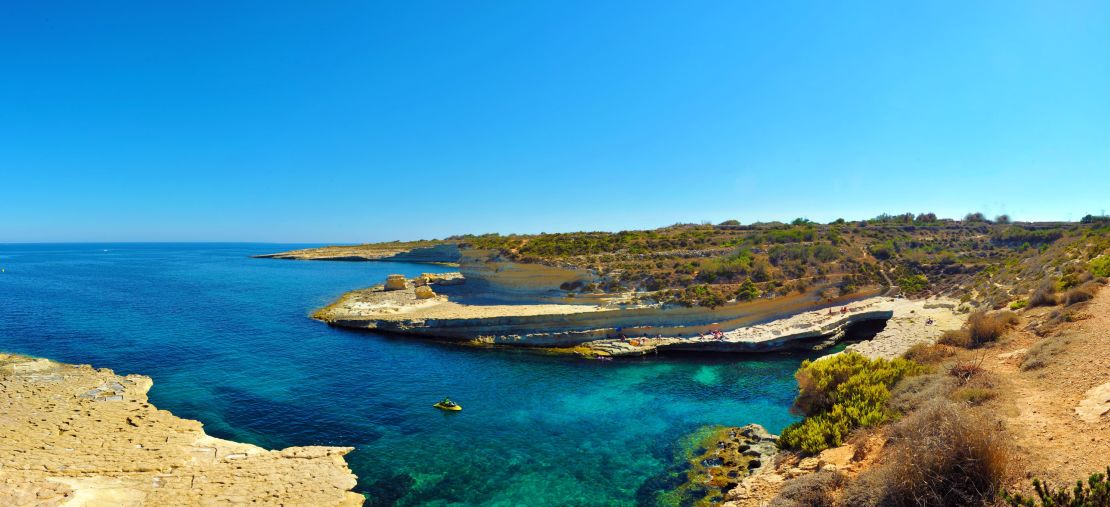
929, 353
811, 490
973, 395
1041, 354
913, 392
1079, 294
981, 328
943, 454
1045, 295
964, 371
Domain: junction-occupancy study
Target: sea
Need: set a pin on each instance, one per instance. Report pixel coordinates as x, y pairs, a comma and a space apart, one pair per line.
228, 341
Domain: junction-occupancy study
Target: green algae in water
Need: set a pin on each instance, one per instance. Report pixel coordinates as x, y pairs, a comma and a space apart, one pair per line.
690, 480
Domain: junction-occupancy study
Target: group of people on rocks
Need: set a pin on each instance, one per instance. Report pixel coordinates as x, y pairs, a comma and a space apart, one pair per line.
715, 334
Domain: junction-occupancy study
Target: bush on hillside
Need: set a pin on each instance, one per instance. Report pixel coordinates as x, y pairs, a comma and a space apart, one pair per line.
955, 338
882, 251
1079, 294
984, 328
981, 328
1045, 295
1100, 266
913, 284
943, 454
1069, 280
842, 393
928, 353
810, 490
1095, 493
747, 291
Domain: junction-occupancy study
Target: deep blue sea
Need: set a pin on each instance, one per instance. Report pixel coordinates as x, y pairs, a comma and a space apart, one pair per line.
228, 341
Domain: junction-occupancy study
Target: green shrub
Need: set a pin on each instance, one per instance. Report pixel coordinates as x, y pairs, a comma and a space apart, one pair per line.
1019, 304
1100, 266
883, 251
747, 291
1067, 281
727, 268
1016, 235
1095, 493
913, 284
840, 394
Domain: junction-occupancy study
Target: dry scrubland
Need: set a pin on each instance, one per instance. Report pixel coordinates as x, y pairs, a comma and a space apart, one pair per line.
1012, 409
970, 420
992, 263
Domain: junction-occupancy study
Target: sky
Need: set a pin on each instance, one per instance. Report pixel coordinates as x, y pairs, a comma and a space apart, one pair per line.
291, 121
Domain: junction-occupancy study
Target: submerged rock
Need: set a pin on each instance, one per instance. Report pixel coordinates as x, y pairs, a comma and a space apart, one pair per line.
710, 462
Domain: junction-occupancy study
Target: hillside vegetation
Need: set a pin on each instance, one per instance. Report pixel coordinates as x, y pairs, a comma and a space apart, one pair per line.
996, 262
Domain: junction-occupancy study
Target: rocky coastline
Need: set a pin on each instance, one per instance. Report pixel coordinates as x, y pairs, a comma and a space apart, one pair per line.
77, 435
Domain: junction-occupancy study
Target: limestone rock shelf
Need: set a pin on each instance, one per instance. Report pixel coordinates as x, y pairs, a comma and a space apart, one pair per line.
75, 435
636, 329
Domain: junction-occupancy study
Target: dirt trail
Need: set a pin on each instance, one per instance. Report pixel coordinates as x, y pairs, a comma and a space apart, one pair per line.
1039, 404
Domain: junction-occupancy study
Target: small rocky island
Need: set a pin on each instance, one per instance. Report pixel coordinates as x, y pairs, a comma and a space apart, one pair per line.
77, 435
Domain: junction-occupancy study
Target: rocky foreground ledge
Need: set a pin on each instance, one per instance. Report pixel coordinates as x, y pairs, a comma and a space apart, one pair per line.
76, 435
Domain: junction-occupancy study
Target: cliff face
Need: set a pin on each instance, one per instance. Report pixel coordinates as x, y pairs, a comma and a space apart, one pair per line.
85, 436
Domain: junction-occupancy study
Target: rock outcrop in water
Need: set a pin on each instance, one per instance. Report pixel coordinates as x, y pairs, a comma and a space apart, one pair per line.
710, 462
77, 435
395, 282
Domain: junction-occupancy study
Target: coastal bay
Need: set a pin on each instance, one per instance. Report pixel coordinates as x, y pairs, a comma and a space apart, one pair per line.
228, 342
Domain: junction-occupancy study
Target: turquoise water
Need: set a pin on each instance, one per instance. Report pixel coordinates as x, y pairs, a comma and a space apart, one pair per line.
227, 341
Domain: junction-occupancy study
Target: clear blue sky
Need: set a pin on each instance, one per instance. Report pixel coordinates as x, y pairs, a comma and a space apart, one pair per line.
357, 121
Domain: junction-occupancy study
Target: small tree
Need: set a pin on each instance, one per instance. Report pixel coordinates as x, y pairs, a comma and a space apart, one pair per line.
747, 291
1002, 219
